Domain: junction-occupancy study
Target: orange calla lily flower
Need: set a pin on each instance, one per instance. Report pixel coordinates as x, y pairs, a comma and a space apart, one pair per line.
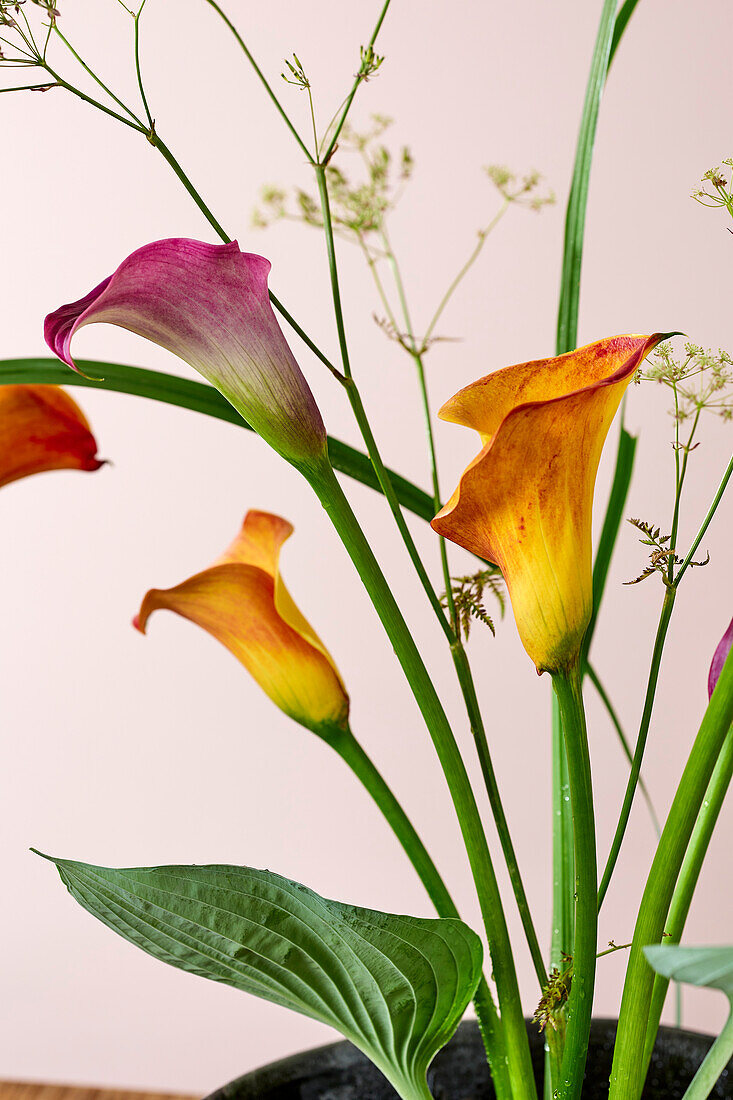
42, 428
526, 500
242, 601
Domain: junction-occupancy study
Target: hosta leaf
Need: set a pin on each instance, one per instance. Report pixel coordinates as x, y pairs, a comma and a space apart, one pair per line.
395, 986
706, 966
711, 967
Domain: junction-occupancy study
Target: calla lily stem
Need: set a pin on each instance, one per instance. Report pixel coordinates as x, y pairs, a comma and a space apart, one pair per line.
460, 659
646, 717
687, 881
631, 1039
510, 1041
568, 689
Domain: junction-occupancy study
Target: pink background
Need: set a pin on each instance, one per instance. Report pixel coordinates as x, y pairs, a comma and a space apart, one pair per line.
125, 750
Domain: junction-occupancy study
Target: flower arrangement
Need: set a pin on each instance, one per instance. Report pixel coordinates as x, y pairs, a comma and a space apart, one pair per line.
397, 986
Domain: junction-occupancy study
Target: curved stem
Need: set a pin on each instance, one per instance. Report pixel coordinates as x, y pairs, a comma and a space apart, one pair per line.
662, 628
366, 771
627, 1073
567, 686
511, 1040
138, 70
201, 398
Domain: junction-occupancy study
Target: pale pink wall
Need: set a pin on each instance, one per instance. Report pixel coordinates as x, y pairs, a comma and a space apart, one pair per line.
126, 750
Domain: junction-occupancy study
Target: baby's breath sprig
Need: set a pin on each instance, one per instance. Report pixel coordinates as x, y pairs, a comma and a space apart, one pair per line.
468, 598
716, 190
700, 379
521, 190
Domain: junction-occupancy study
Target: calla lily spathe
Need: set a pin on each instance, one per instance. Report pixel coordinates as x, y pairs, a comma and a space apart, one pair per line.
242, 601
526, 500
209, 305
719, 657
42, 428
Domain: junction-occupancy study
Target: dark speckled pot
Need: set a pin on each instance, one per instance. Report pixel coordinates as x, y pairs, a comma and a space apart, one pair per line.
340, 1072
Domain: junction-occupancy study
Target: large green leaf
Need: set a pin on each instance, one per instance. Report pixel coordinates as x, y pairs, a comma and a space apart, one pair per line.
706, 966
711, 967
395, 986
202, 398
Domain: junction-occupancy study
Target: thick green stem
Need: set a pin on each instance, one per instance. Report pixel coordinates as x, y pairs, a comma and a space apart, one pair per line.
458, 654
664, 619
366, 771
689, 874
627, 1077
567, 686
352, 753
510, 1041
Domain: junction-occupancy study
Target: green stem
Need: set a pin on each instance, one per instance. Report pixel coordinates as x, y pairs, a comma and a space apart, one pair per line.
510, 1041
622, 474
350, 98
116, 99
468, 689
689, 875
567, 686
567, 321
611, 711
352, 753
705, 523
662, 628
563, 848
458, 654
201, 398
138, 69
627, 1073
171, 160
716, 1060
278, 106
483, 234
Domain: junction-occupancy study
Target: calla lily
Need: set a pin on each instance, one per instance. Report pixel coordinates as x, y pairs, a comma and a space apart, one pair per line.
241, 600
42, 428
525, 502
719, 657
209, 305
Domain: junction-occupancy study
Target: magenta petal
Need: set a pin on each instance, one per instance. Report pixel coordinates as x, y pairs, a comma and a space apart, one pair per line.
209, 305
716, 665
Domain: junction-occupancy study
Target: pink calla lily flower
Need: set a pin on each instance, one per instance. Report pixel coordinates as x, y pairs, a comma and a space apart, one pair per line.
719, 657
209, 305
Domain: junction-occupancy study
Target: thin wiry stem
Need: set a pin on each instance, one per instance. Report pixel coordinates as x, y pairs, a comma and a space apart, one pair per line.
350, 98
263, 79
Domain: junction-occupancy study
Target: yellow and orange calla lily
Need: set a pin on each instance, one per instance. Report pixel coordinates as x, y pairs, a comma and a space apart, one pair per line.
526, 500
42, 428
242, 601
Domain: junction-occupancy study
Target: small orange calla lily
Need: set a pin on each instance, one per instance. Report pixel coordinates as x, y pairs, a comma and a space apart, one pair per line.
526, 500
242, 601
42, 428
